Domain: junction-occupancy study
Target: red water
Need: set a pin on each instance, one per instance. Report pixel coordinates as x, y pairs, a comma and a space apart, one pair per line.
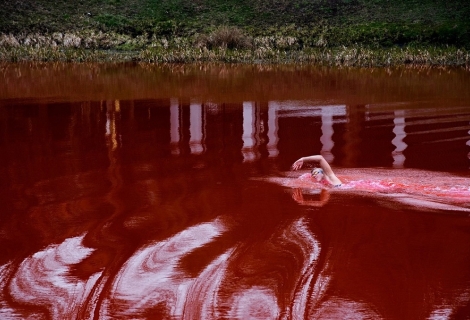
157, 192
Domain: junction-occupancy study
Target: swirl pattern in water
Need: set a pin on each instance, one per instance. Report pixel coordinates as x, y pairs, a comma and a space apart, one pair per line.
173, 197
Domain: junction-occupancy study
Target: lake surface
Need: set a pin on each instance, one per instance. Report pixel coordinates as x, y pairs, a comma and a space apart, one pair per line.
165, 192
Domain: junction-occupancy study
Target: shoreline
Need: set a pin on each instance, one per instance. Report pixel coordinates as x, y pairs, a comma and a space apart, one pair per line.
112, 47
356, 56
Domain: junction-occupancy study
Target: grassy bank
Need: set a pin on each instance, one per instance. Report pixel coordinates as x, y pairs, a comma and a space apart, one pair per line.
352, 32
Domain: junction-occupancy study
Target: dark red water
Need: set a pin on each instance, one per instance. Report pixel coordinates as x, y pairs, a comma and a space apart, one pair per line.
157, 192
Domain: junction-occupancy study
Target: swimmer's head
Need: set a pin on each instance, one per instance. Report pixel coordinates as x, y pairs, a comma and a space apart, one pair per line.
317, 173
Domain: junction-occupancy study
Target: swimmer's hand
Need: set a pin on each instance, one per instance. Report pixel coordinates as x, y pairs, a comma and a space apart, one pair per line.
298, 164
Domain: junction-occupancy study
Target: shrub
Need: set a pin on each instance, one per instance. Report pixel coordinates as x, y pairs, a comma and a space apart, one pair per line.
225, 37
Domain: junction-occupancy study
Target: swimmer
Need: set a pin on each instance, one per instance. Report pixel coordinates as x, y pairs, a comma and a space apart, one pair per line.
323, 174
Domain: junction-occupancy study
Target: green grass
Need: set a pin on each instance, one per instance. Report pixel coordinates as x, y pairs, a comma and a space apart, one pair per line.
143, 15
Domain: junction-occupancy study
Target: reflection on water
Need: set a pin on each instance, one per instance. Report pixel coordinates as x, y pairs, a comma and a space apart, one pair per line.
175, 127
151, 276
196, 129
162, 207
249, 131
400, 134
42, 279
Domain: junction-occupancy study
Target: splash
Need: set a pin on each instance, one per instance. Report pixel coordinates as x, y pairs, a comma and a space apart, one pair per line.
417, 188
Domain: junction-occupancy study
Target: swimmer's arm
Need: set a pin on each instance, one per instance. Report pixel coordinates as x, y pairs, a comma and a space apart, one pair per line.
318, 158
323, 164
